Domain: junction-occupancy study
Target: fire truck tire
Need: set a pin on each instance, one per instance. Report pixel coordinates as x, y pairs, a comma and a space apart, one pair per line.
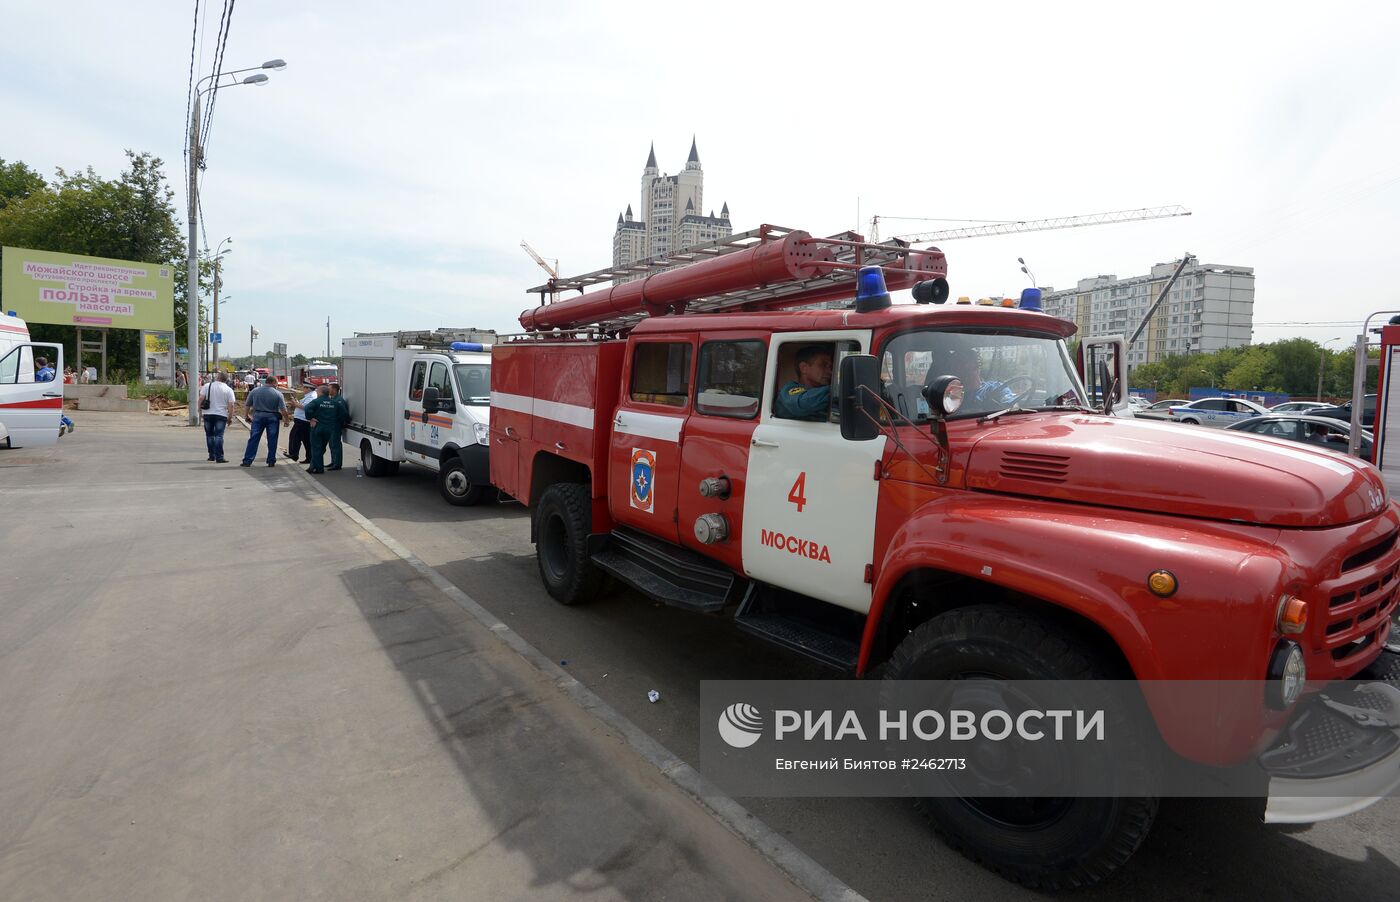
373, 464
454, 484
1045, 844
563, 521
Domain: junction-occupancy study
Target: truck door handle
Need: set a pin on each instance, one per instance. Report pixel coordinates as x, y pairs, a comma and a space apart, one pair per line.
619, 421
49, 394
760, 443
510, 430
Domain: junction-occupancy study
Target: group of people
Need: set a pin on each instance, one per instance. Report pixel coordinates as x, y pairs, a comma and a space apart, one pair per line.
320, 416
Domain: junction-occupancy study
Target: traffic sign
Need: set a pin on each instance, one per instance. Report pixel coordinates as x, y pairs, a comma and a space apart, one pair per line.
216, 337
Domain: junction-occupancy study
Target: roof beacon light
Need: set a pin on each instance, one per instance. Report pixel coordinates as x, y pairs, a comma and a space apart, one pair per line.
468, 346
1030, 300
871, 294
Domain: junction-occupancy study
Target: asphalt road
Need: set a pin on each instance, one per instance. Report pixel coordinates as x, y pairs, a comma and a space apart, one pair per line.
623, 645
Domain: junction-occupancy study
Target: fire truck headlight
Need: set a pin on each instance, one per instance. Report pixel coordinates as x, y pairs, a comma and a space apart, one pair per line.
1288, 673
483, 433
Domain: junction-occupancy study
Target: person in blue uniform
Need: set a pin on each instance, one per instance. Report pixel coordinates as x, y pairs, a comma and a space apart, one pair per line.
978, 395
808, 397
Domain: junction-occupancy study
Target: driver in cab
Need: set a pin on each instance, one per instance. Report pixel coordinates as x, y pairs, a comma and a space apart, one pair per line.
808, 397
966, 365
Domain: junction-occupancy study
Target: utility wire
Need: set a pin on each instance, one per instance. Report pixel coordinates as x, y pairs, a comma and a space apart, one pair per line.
226, 24
189, 95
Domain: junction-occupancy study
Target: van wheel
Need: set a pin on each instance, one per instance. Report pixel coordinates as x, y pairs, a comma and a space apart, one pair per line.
563, 520
373, 464
1042, 843
454, 485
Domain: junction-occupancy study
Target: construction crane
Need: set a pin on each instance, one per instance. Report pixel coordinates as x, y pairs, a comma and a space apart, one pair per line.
544, 265
1042, 225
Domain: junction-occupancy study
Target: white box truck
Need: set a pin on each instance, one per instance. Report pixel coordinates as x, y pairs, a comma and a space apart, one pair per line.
30, 411
424, 398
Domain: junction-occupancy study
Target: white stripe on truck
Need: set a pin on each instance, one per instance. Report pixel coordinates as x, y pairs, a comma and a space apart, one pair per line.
569, 414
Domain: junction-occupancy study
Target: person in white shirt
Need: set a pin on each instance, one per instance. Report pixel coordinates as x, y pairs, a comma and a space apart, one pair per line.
219, 398
299, 440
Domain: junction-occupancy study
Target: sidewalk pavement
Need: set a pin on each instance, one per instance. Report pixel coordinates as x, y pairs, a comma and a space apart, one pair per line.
217, 686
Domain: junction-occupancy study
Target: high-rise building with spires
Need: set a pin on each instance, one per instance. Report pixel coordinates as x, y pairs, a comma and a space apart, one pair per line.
669, 217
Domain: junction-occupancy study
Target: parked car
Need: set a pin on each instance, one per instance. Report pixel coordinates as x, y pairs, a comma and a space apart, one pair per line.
1343, 412
1218, 412
1326, 432
1298, 406
1162, 410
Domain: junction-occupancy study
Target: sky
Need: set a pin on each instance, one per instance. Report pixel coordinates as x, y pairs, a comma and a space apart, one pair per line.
386, 177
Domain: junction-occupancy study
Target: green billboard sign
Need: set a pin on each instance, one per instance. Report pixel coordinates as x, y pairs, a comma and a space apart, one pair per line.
74, 290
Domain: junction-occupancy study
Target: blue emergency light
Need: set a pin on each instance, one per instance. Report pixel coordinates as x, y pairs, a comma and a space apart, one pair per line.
871, 293
1030, 299
468, 346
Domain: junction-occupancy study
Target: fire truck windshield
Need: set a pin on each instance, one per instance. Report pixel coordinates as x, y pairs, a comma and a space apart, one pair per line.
999, 369
473, 382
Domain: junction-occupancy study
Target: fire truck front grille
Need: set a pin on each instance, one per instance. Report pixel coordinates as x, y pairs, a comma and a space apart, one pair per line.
1367, 555
1358, 613
1037, 467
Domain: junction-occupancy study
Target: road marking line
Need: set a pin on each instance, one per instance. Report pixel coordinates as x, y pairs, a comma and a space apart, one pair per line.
777, 849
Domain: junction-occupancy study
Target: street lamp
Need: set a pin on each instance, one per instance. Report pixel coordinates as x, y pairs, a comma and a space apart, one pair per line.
1322, 364
214, 347
1030, 275
196, 164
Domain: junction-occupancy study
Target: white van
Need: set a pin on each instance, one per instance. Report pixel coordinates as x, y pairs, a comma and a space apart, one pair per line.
429, 406
29, 411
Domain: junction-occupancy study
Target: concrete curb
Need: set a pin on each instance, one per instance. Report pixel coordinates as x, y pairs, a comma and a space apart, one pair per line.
801, 869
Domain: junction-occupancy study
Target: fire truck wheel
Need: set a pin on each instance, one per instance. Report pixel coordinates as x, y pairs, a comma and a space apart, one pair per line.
454, 485
1042, 843
563, 521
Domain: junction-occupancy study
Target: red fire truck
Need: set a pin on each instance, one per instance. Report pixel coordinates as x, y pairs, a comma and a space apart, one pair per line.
958, 508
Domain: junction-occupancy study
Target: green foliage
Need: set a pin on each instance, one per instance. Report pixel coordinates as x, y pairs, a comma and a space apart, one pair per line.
17, 181
132, 217
170, 393
1290, 366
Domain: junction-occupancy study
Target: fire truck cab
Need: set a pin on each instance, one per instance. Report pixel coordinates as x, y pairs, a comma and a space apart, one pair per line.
956, 506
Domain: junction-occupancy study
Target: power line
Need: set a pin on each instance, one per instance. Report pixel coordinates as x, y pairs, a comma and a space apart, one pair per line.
225, 25
189, 94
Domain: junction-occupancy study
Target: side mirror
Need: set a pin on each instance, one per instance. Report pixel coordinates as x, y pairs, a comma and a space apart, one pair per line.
431, 404
859, 401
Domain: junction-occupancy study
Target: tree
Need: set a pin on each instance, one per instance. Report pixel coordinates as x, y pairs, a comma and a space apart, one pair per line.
18, 181
132, 217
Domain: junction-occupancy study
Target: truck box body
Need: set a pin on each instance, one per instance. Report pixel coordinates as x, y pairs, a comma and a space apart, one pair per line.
555, 398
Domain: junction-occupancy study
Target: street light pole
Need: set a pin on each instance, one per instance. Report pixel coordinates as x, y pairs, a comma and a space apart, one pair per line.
1322, 364
214, 348
192, 367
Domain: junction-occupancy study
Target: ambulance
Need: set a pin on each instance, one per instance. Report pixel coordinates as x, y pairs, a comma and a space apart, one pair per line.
29, 411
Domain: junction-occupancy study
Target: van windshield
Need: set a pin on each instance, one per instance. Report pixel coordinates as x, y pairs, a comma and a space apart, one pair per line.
473, 382
998, 369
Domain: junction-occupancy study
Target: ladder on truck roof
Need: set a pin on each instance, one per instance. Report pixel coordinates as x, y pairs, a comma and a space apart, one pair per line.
433, 338
845, 253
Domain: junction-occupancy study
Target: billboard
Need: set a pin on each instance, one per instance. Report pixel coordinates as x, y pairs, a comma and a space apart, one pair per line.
74, 290
159, 351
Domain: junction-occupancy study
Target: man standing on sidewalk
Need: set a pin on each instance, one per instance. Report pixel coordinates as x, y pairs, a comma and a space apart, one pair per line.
216, 415
324, 416
300, 436
266, 409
